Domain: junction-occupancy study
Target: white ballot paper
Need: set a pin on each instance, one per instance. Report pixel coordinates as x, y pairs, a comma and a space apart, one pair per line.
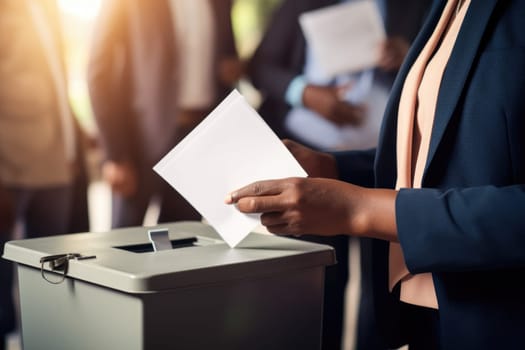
344, 37
232, 147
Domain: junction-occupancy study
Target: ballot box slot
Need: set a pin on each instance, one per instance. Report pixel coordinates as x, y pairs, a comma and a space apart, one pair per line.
148, 247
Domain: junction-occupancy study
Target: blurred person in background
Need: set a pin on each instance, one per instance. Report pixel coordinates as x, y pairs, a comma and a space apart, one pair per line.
156, 69
41, 169
302, 103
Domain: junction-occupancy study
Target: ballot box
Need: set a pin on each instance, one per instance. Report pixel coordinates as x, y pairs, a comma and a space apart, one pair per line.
117, 290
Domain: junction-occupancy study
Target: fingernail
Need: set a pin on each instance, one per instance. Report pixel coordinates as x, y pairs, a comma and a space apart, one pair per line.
228, 199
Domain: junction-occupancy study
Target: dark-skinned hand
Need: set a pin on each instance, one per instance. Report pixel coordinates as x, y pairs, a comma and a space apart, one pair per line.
121, 176
327, 101
327, 207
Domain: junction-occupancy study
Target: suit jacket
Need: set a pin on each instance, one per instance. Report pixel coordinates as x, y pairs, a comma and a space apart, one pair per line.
132, 75
281, 55
32, 128
466, 225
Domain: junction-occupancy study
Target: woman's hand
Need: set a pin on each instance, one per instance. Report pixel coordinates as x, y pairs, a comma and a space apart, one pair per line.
302, 205
327, 207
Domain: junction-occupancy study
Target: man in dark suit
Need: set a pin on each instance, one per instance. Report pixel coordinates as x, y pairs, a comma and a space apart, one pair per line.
284, 57
145, 62
465, 225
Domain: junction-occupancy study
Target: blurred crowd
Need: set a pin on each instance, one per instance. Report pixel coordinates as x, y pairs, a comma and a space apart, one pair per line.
155, 70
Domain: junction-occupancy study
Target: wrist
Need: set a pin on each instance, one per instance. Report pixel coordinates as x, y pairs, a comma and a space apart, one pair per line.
312, 97
294, 94
376, 217
328, 166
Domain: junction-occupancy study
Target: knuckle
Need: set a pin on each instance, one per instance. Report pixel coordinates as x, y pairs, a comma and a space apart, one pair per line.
295, 189
296, 184
295, 200
257, 188
253, 205
294, 227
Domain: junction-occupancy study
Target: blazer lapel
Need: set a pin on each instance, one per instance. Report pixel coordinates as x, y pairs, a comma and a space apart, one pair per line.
385, 164
458, 69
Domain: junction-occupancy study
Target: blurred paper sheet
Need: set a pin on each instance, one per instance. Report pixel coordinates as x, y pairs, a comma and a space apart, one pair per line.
232, 147
345, 37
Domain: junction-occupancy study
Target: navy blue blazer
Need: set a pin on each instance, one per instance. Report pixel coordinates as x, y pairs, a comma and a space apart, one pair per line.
467, 225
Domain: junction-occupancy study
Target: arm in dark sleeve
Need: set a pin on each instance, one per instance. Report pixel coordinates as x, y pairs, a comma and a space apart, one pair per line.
273, 65
225, 24
356, 167
108, 80
481, 228
406, 17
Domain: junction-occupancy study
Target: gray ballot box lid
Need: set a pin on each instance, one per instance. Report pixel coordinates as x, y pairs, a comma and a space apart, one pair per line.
125, 261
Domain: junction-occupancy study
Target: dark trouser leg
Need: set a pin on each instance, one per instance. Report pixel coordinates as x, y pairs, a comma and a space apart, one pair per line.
368, 336
174, 207
79, 218
129, 211
42, 219
421, 325
335, 286
42, 212
7, 310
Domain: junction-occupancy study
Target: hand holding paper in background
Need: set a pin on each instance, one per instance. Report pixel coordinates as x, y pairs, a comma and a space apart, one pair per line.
230, 148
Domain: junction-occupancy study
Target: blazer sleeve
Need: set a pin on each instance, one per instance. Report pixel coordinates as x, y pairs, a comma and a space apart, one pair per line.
109, 80
470, 229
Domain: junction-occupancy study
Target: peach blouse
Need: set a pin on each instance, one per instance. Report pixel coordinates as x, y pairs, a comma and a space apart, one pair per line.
415, 120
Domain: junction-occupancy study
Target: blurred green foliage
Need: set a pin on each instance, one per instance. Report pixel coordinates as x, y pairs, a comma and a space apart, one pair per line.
249, 19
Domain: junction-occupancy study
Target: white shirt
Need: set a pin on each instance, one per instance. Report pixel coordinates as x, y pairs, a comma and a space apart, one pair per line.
194, 24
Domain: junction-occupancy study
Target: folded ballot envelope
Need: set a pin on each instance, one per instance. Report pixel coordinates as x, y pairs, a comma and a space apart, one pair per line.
232, 147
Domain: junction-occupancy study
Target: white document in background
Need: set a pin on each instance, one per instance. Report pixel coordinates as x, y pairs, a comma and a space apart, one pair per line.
232, 147
345, 37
